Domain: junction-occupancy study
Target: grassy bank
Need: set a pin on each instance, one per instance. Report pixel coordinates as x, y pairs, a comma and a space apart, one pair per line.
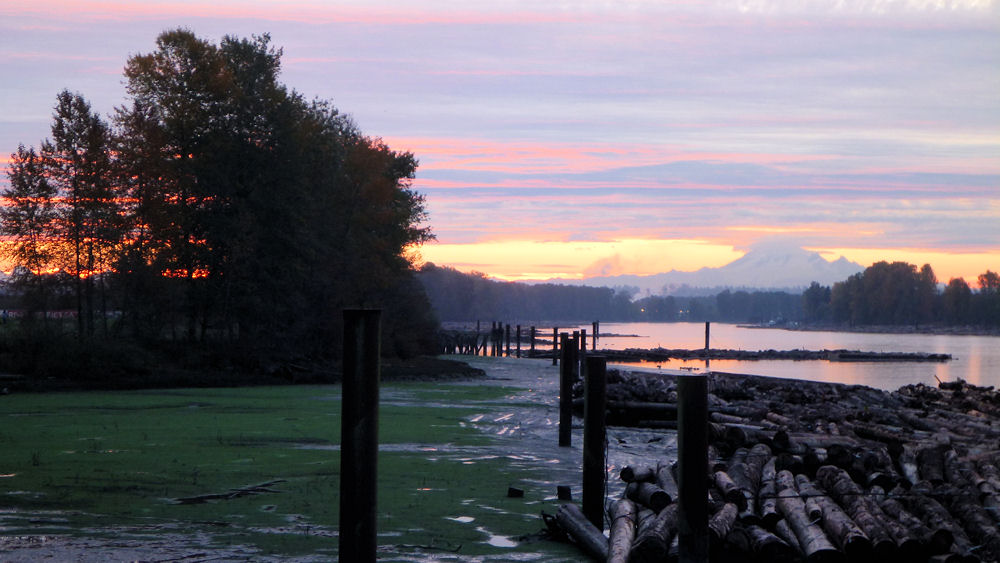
113, 464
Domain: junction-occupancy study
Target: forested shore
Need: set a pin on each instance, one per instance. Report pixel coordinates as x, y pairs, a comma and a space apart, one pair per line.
217, 222
886, 297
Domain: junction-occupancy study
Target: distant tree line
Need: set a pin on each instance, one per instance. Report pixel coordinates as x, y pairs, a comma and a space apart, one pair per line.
897, 293
217, 211
884, 294
458, 296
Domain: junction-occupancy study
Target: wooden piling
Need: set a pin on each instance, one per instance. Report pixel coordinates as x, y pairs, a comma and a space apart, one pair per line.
708, 330
595, 440
566, 393
596, 326
555, 345
692, 453
518, 341
507, 331
575, 342
532, 338
359, 435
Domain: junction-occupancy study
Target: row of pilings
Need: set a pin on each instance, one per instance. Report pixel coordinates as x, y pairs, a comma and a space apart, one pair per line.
502, 339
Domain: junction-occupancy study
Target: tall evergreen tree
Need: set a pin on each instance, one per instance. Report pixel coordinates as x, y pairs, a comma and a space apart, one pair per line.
28, 220
77, 163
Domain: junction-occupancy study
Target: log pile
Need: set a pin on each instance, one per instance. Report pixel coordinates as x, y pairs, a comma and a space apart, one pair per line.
840, 355
805, 471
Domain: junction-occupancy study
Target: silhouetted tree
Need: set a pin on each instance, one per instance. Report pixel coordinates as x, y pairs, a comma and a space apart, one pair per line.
28, 220
816, 303
226, 209
956, 300
78, 164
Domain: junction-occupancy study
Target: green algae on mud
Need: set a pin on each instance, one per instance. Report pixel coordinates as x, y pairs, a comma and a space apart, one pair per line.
112, 464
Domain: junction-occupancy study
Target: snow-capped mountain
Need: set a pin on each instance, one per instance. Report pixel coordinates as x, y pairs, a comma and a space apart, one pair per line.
762, 267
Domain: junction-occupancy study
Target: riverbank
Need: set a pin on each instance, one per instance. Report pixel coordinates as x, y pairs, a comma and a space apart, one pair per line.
421, 368
964, 330
97, 476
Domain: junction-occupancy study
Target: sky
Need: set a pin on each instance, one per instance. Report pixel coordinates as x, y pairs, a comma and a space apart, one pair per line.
578, 138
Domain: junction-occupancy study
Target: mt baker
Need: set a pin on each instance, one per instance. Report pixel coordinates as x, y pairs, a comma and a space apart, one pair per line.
765, 266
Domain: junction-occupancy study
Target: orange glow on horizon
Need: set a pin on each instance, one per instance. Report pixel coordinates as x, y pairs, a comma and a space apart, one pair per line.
947, 265
523, 259
518, 260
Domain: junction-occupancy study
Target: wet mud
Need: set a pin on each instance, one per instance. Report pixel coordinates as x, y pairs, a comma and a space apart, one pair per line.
522, 431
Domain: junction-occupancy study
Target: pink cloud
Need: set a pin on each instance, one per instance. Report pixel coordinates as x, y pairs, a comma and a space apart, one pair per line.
529, 157
303, 12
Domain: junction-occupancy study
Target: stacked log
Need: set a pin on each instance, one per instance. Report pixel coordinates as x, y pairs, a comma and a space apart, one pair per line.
624, 520
800, 472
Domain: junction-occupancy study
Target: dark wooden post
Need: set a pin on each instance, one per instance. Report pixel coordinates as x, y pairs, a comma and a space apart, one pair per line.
507, 331
576, 355
518, 341
359, 435
708, 330
692, 467
566, 393
596, 326
555, 345
532, 341
595, 470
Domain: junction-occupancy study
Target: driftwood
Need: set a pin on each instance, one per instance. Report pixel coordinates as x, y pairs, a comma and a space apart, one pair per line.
849, 495
654, 540
233, 493
785, 532
769, 547
740, 474
631, 473
937, 517
908, 546
721, 523
768, 496
930, 462
907, 462
733, 548
571, 519
811, 462
844, 531
624, 520
756, 458
976, 522
664, 479
647, 494
732, 493
935, 541
810, 537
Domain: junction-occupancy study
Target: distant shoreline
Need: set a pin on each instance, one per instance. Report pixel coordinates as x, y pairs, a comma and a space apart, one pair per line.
886, 329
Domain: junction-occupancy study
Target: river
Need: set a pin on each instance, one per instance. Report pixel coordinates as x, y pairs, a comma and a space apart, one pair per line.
975, 359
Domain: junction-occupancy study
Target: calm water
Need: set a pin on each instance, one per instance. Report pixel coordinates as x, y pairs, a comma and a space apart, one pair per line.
975, 358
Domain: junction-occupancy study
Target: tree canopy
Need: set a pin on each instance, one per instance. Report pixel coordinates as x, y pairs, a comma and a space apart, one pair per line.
217, 207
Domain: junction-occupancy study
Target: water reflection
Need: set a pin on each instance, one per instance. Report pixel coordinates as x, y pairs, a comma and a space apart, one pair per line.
975, 358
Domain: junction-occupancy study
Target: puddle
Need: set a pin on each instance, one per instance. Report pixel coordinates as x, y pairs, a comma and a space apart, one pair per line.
497, 540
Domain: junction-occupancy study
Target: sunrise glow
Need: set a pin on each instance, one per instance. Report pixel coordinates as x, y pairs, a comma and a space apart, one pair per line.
605, 139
